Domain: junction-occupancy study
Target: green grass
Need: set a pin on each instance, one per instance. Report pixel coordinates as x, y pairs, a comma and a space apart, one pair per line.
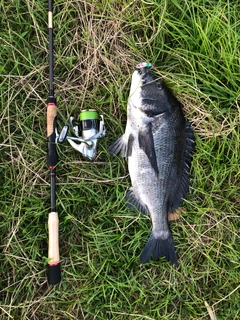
194, 46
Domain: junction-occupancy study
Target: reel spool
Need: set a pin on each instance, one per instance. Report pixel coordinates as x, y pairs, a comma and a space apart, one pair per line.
87, 131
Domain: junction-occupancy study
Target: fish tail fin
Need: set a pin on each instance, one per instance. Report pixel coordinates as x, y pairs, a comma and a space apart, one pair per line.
156, 248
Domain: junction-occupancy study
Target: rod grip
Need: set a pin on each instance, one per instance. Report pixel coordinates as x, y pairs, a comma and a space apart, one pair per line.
52, 157
54, 272
51, 118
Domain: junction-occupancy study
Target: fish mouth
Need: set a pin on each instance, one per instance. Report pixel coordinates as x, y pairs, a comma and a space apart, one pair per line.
141, 77
145, 75
143, 68
143, 72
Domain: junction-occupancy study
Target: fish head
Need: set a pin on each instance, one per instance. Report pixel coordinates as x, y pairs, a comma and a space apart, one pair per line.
148, 93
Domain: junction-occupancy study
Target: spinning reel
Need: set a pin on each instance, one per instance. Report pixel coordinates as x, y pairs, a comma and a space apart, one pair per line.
87, 131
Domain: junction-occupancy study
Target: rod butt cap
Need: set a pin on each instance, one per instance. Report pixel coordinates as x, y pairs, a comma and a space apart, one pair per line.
54, 273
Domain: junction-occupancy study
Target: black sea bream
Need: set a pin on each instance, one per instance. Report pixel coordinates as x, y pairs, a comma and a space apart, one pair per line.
158, 143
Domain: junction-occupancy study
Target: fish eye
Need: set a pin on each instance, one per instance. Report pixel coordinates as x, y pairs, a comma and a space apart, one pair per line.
159, 86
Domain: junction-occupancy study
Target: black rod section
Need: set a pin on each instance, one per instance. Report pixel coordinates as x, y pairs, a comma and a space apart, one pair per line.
53, 189
50, 35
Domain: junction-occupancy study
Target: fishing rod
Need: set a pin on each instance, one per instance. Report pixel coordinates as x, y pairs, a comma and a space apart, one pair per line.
87, 131
54, 272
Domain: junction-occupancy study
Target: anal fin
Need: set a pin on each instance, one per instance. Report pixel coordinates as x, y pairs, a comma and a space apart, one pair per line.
134, 203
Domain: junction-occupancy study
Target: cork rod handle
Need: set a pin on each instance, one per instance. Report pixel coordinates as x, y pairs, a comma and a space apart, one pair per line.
54, 273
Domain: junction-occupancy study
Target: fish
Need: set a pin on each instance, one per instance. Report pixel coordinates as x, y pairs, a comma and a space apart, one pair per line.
159, 144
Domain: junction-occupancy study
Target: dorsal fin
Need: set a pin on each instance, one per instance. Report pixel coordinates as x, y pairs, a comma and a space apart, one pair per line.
182, 189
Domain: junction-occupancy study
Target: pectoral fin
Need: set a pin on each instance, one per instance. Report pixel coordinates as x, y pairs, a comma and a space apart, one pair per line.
146, 143
122, 145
